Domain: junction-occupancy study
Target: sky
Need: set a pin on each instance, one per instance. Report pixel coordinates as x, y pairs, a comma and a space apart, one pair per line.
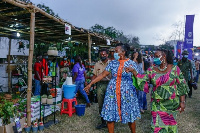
150, 20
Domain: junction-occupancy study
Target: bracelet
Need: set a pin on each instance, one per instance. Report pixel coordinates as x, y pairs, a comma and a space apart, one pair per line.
182, 102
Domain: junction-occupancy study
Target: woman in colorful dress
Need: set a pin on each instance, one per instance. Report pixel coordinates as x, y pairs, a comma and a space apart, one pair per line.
168, 94
137, 58
120, 102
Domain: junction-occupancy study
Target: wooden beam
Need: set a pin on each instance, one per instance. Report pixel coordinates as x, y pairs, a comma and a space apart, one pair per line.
15, 13
16, 30
9, 73
89, 48
30, 61
78, 35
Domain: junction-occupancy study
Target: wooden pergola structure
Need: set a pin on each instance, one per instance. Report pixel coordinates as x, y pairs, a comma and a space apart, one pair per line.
36, 25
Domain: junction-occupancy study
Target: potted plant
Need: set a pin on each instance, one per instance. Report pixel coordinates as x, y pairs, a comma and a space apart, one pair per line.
45, 79
49, 78
41, 126
53, 92
7, 111
44, 99
35, 127
27, 128
50, 99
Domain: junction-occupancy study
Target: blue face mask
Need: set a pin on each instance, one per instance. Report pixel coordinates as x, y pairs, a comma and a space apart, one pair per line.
186, 56
157, 61
116, 56
175, 62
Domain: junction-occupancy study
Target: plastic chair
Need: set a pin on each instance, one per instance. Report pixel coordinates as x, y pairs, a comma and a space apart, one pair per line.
69, 110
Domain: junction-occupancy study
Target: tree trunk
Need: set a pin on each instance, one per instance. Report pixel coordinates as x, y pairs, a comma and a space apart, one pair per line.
9, 75
30, 62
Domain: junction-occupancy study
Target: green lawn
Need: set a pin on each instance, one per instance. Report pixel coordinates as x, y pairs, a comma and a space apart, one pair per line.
188, 122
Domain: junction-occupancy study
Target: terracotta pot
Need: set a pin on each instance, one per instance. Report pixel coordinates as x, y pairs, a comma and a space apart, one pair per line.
44, 100
49, 101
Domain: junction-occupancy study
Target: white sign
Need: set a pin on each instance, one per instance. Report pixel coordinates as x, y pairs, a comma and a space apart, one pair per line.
67, 29
18, 47
108, 41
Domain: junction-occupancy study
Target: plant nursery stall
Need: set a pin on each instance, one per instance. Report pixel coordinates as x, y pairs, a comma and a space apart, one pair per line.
23, 25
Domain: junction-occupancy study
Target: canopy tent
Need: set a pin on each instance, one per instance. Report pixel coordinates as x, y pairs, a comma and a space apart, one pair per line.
15, 18
34, 24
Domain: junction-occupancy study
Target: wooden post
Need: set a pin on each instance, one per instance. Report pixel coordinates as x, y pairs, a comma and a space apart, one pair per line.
9, 75
89, 48
30, 62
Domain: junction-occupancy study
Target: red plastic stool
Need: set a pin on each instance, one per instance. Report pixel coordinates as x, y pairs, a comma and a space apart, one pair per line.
69, 110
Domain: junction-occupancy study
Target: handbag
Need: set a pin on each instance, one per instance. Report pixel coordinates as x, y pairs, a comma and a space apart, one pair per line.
194, 86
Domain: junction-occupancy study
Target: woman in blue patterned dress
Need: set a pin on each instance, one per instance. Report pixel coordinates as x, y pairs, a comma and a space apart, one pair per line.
120, 103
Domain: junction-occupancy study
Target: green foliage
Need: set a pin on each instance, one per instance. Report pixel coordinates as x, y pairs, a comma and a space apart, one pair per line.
7, 111
47, 9
50, 97
21, 106
116, 34
44, 96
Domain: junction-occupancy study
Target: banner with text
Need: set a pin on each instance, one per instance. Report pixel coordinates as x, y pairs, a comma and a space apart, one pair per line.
189, 34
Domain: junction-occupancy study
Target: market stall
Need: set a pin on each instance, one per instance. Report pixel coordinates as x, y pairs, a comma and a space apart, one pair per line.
27, 21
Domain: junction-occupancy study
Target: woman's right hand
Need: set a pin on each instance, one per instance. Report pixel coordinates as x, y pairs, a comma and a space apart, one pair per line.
87, 88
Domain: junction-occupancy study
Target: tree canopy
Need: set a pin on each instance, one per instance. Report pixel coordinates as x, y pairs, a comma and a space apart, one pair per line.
117, 35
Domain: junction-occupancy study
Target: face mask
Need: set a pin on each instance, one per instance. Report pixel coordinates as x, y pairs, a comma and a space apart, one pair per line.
116, 56
175, 63
65, 58
185, 56
157, 61
46, 57
103, 58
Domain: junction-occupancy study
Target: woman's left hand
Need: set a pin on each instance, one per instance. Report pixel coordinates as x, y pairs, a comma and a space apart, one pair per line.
129, 69
87, 88
182, 107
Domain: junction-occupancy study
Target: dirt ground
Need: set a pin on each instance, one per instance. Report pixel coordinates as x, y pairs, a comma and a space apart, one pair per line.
188, 122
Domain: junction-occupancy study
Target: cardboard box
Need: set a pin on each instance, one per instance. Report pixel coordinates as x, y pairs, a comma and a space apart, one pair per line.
9, 128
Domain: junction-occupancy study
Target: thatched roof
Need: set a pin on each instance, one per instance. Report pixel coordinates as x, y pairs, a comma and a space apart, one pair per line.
15, 17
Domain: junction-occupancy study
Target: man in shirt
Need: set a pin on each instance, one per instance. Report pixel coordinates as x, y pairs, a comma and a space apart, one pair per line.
38, 74
111, 53
45, 64
186, 68
101, 85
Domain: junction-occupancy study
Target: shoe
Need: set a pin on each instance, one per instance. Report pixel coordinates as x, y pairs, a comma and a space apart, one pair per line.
103, 125
190, 96
88, 105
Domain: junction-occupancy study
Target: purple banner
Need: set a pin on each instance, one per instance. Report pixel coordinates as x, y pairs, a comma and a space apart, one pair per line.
189, 34
179, 49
